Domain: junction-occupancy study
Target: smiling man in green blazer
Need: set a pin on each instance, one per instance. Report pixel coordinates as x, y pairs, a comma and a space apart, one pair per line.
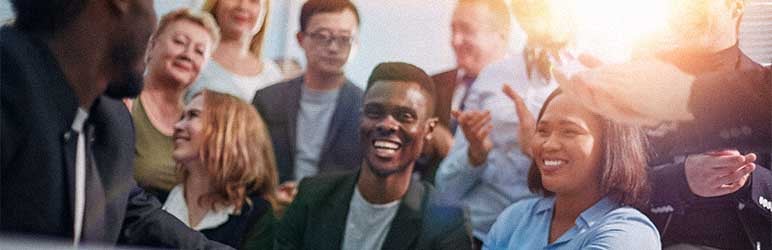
380, 206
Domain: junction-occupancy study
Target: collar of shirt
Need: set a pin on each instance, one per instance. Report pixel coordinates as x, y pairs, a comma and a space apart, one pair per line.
175, 205
585, 220
80, 120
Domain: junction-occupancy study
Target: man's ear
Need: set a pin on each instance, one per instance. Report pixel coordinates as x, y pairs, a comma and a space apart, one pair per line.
299, 37
430, 125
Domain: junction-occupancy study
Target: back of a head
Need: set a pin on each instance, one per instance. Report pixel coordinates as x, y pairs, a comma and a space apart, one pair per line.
236, 147
313, 7
403, 72
46, 16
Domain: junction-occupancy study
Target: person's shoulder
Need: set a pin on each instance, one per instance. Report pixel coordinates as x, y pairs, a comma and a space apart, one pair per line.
279, 87
349, 86
276, 93
627, 215
446, 74
318, 187
621, 226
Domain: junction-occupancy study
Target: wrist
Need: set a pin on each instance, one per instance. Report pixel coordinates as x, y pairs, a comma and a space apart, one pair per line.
476, 157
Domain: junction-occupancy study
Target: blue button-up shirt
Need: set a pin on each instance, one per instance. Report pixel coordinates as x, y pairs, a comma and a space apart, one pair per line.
605, 225
488, 189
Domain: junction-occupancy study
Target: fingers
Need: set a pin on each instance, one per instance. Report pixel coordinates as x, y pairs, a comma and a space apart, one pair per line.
751, 157
736, 176
522, 111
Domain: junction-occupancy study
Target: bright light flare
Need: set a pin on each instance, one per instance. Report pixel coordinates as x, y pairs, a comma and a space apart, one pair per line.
611, 28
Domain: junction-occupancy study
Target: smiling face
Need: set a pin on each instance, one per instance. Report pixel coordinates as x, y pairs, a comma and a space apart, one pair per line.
567, 147
323, 56
474, 37
179, 51
394, 126
239, 18
188, 132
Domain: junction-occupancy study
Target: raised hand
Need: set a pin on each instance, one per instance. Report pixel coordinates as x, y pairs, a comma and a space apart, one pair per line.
527, 122
477, 128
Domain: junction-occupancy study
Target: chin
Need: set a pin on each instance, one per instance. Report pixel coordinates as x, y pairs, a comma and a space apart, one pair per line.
384, 169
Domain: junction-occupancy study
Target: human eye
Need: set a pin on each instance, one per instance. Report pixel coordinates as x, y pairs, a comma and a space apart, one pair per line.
372, 111
406, 116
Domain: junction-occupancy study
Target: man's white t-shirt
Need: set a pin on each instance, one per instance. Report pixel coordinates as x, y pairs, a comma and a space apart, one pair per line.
367, 224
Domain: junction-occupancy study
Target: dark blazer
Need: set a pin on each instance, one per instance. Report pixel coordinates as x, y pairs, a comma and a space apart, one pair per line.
279, 105
317, 218
444, 86
38, 159
732, 109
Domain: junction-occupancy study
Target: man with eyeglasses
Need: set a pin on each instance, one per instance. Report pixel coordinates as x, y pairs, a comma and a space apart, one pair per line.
313, 119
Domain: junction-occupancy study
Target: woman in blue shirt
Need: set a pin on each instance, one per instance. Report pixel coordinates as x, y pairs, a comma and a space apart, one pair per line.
590, 172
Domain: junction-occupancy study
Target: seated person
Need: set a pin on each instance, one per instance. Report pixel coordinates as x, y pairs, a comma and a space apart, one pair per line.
589, 171
226, 190
380, 206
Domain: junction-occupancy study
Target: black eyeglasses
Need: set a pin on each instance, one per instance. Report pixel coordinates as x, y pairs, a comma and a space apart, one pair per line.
326, 39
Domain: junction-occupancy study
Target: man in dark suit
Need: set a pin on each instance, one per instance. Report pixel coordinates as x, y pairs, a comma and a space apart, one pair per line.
312, 119
381, 206
479, 37
67, 150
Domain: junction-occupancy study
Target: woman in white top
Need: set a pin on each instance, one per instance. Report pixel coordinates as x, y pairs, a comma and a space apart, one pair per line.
238, 67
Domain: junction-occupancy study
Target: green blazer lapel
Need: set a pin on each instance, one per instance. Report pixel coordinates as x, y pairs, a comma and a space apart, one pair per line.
329, 218
406, 226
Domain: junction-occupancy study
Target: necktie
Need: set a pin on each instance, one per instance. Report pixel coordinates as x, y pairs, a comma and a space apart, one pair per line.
467, 80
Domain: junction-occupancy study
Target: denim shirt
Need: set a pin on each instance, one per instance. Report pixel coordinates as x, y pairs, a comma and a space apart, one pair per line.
605, 225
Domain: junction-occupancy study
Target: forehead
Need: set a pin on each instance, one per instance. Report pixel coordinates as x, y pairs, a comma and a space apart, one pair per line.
196, 104
188, 28
472, 13
342, 21
564, 109
397, 93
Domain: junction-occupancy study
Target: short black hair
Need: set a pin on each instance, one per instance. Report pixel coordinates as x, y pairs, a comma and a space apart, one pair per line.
313, 7
46, 16
404, 72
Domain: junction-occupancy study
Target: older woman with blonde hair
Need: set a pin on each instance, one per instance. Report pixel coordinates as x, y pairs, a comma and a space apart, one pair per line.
238, 67
176, 53
228, 181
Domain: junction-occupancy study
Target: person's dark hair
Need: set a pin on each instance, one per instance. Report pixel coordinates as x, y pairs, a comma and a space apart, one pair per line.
45, 16
404, 72
623, 162
500, 11
313, 7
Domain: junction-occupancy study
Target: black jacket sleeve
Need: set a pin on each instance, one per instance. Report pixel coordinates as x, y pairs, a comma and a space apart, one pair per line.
147, 224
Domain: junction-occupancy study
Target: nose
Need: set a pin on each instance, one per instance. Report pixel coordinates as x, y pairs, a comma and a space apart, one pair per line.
456, 38
179, 125
551, 143
387, 125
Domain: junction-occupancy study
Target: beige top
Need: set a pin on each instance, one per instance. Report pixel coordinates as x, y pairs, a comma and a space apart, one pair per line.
154, 167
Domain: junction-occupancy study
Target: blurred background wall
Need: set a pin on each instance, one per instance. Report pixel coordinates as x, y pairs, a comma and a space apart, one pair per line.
418, 31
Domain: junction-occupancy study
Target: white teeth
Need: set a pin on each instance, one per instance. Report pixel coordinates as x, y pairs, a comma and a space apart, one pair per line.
553, 163
386, 145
